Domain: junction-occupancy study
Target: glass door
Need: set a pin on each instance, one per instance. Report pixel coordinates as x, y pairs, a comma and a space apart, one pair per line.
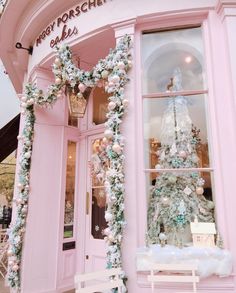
95, 247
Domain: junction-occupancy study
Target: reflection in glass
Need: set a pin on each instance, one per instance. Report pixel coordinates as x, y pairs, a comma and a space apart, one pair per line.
160, 116
100, 164
70, 190
100, 101
98, 212
166, 50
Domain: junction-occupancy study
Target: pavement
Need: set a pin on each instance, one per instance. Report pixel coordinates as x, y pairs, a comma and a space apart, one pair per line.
4, 289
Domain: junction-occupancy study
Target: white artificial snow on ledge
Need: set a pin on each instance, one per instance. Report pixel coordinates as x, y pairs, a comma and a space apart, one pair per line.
210, 261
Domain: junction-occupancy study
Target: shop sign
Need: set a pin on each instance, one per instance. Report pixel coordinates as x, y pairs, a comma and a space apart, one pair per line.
62, 20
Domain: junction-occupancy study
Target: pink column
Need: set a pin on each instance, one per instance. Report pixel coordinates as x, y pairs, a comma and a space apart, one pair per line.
40, 254
222, 113
129, 132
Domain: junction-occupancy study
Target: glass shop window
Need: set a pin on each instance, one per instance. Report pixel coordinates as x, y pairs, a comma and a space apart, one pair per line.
70, 190
100, 102
100, 164
178, 170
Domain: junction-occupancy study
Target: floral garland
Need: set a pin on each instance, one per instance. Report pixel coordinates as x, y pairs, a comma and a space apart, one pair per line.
3, 4
113, 69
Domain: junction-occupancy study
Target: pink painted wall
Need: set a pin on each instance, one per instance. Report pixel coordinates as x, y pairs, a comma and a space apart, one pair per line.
44, 262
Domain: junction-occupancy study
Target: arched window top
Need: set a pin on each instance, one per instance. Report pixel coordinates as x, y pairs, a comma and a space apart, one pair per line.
173, 49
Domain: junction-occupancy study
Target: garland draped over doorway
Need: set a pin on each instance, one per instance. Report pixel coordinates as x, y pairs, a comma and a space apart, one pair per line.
113, 69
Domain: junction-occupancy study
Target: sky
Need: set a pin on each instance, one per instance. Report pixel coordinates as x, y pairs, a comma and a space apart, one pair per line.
9, 103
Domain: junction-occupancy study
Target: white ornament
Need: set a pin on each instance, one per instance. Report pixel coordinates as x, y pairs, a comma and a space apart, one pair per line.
116, 148
57, 61
108, 216
57, 81
182, 208
82, 87
162, 157
28, 143
27, 155
105, 141
104, 74
23, 105
19, 201
125, 103
24, 210
15, 267
111, 238
10, 252
173, 149
20, 186
121, 65
129, 63
106, 231
111, 106
158, 166
199, 190
187, 190
108, 133
162, 236
79, 95
195, 158
111, 84
172, 179
23, 99
165, 200
115, 78
182, 154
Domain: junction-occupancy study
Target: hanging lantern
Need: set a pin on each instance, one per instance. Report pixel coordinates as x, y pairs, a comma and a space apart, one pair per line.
77, 100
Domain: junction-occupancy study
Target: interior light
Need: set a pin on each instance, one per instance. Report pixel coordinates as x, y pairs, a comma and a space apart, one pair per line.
188, 59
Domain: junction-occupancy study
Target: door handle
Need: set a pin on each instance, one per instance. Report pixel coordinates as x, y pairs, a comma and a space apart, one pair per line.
87, 203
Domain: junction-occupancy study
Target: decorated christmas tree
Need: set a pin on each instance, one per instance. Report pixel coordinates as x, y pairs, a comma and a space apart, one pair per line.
177, 196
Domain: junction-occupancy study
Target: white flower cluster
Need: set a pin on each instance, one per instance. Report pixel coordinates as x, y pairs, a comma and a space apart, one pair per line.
113, 70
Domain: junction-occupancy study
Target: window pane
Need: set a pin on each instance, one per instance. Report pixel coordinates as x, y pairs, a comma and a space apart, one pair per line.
162, 52
100, 101
174, 199
70, 190
175, 132
100, 164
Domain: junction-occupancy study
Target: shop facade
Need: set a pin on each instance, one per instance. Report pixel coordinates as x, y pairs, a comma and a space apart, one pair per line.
192, 42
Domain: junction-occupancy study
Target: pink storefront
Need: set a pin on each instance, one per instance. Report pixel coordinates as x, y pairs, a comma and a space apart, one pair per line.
182, 79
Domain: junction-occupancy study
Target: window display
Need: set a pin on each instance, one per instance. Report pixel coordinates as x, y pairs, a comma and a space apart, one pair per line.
175, 135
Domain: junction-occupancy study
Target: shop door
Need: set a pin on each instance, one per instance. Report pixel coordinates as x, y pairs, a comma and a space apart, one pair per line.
95, 246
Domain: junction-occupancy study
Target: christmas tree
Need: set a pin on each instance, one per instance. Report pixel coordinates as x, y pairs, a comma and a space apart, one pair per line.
177, 196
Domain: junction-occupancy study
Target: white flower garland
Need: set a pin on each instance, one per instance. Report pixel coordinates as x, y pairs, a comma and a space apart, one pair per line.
3, 4
113, 69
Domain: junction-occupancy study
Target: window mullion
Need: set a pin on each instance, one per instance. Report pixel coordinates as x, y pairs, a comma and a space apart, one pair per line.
175, 94
178, 170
